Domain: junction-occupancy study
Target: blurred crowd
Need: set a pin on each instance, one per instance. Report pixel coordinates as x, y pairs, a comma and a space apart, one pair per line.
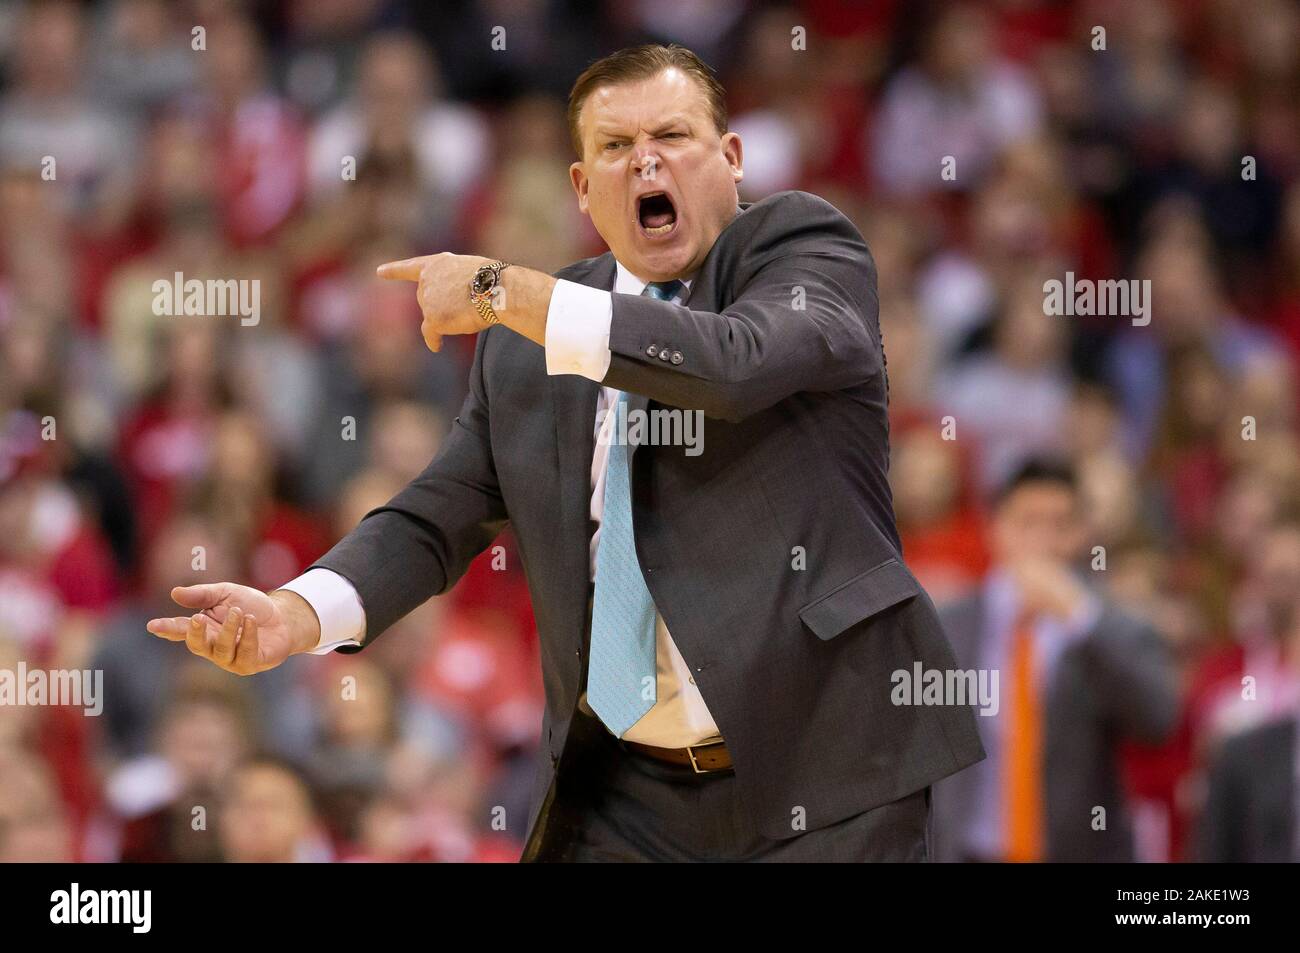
305, 141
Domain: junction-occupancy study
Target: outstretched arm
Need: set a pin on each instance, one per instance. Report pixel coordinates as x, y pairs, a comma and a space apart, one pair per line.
420, 542
805, 318
415, 546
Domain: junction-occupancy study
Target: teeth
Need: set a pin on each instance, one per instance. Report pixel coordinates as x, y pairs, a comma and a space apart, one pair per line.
660, 229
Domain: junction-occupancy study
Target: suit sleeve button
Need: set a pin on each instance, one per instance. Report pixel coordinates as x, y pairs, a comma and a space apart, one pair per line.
651, 351
664, 355
677, 357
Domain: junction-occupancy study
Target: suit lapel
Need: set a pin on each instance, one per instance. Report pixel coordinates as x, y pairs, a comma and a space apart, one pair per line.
573, 403
573, 400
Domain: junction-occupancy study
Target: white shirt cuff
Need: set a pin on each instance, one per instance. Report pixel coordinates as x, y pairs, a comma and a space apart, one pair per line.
337, 606
577, 330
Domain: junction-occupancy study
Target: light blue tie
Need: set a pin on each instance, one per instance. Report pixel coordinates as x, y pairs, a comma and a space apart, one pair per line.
621, 676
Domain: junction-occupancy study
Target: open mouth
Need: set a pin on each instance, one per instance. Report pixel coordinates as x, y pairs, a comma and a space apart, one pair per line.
656, 214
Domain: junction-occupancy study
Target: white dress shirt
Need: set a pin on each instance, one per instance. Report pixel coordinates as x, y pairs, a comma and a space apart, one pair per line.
577, 342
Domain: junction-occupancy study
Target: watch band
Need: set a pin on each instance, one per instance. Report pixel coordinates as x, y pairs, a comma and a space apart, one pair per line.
482, 299
485, 311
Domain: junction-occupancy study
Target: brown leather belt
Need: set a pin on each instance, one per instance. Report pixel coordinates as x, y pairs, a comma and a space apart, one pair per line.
703, 758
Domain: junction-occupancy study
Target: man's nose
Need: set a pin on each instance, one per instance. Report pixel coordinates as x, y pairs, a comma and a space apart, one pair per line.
645, 161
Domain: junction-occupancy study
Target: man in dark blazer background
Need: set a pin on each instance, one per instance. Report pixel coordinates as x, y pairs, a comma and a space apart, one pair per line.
1250, 813
1077, 677
720, 613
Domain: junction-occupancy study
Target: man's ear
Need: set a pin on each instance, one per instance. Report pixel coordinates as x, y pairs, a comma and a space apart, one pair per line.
732, 149
578, 176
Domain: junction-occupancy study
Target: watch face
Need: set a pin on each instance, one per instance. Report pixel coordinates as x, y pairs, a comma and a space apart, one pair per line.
483, 280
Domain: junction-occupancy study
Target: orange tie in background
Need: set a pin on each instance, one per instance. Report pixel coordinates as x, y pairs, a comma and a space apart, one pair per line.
1023, 765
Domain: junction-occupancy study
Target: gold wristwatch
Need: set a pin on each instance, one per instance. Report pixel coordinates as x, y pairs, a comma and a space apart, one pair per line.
483, 285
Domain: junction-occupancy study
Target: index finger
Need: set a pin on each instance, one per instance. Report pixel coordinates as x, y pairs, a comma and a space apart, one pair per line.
408, 269
173, 629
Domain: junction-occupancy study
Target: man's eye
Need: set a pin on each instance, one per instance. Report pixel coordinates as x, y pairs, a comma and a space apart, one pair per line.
610, 146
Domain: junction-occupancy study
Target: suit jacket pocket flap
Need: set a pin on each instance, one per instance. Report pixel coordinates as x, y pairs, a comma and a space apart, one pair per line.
860, 598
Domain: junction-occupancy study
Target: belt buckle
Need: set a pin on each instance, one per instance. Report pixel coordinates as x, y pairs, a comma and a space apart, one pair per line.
690, 752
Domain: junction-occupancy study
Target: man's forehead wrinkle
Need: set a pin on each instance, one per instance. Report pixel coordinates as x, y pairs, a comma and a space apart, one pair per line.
611, 127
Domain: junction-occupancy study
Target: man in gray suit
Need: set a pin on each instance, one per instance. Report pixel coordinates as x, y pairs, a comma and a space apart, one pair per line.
1076, 677
1251, 809
721, 603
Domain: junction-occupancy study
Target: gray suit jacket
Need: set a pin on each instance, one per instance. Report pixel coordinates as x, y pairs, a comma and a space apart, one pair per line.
780, 349
1117, 682
1250, 811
